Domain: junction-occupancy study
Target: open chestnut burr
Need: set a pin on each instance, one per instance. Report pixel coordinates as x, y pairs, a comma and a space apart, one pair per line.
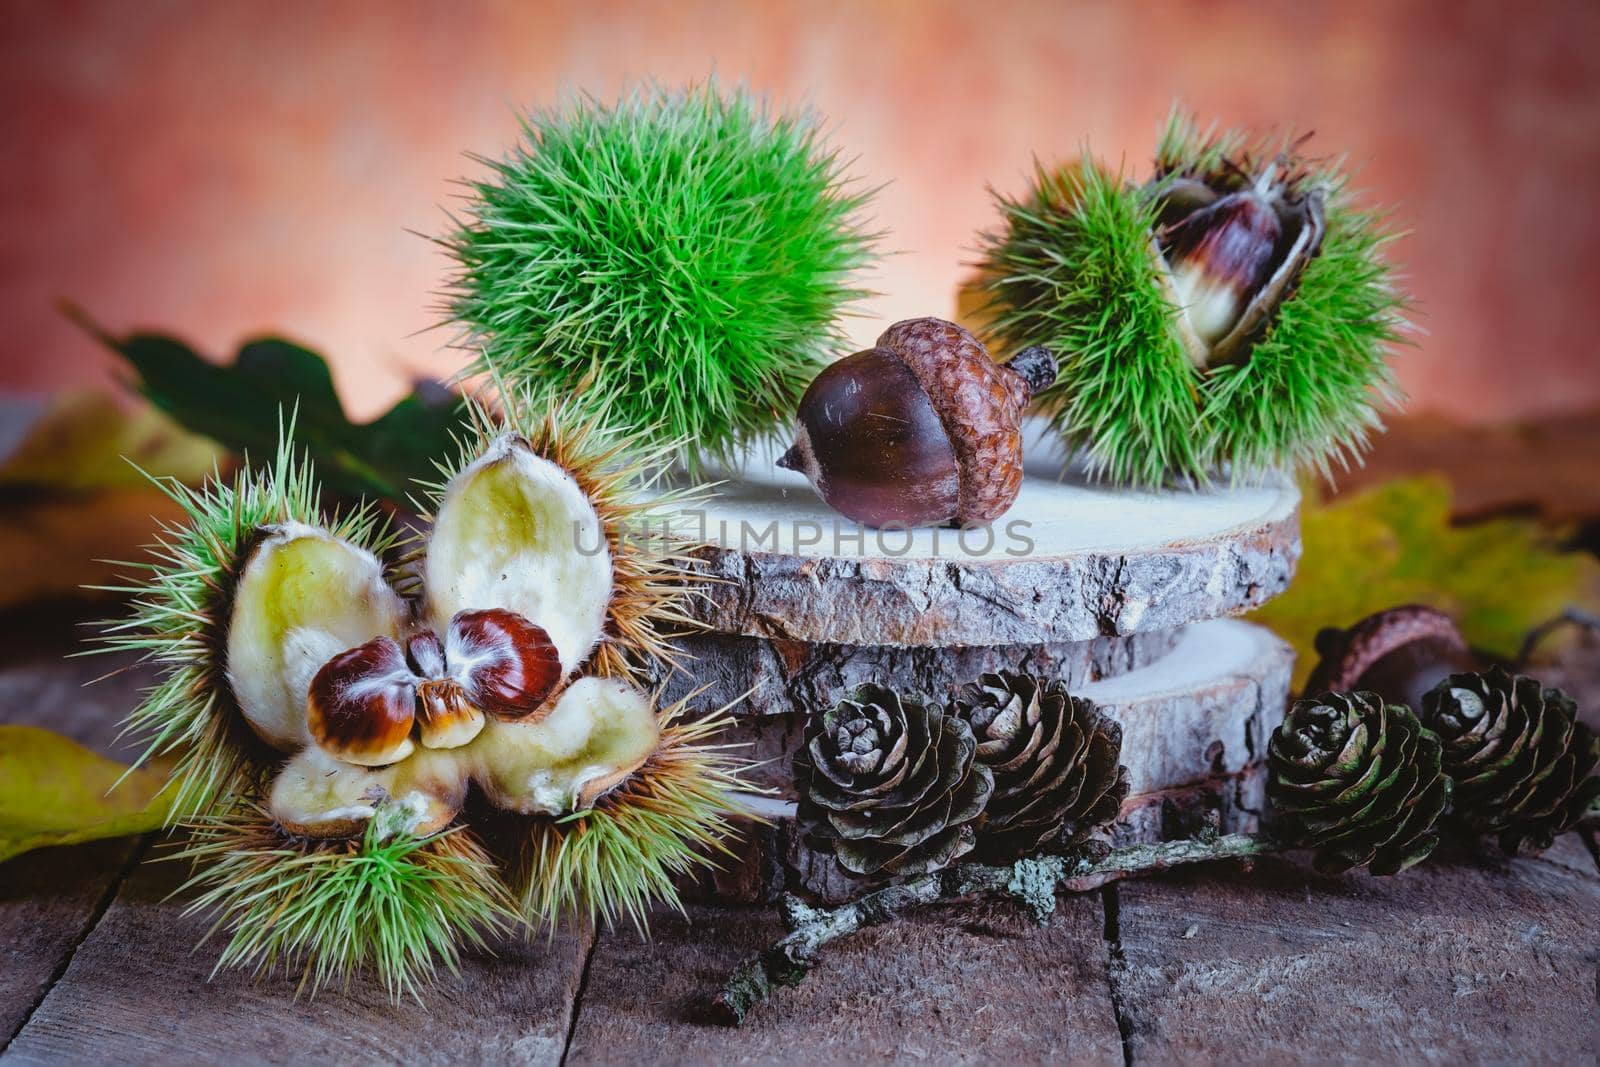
921, 429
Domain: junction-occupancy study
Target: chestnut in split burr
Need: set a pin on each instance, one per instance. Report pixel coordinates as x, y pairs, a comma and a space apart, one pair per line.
364, 704
921, 429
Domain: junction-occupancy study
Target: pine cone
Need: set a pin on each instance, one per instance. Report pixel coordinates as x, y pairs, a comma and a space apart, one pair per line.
1358, 781
1523, 764
889, 785
1054, 758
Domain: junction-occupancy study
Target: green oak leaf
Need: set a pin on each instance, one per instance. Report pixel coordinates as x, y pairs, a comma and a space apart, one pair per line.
239, 404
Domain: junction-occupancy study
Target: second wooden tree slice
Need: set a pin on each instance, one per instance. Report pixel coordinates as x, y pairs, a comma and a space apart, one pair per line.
771, 677
1069, 562
1205, 708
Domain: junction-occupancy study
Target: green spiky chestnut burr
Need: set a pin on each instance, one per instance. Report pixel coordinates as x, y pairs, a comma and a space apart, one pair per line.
1230, 315
328, 727
674, 263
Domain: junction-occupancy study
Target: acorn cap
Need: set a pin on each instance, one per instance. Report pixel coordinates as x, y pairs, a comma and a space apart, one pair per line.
1399, 654
978, 401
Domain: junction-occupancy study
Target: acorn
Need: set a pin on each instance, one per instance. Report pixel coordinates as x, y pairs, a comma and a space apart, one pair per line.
1400, 654
922, 429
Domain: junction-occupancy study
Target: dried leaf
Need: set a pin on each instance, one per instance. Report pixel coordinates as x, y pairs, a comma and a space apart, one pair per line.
55, 545
85, 440
53, 791
1394, 544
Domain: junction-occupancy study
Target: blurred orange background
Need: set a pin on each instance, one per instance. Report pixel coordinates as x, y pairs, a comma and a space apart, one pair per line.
224, 169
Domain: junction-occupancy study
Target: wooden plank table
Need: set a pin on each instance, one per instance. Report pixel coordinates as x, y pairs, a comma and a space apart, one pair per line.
1472, 958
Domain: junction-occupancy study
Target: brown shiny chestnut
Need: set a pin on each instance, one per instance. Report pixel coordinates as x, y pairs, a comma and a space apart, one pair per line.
921, 429
362, 703
504, 664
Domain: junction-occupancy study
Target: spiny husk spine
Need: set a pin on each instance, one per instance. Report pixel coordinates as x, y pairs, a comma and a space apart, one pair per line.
397, 906
178, 620
673, 815
675, 261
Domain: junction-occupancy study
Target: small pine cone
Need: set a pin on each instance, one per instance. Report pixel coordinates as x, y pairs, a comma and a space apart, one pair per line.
889, 785
1055, 761
1523, 765
1358, 781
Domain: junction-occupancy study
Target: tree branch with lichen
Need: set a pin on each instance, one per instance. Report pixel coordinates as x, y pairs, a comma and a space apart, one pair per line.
1033, 881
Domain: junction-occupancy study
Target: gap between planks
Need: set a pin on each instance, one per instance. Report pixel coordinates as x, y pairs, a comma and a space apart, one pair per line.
114, 886
593, 930
1111, 908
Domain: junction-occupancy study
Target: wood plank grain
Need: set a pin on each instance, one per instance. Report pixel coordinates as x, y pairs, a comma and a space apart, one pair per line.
1467, 958
48, 902
49, 899
138, 992
976, 985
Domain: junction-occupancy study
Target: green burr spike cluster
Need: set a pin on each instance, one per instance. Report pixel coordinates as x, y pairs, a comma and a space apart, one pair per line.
1358, 781
1524, 766
677, 261
1228, 315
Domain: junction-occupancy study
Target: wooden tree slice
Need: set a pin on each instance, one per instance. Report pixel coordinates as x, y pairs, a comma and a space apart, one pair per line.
1207, 707
768, 677
1069, 562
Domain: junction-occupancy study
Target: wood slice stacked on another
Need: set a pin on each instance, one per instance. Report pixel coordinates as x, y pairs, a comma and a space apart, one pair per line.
1110, 590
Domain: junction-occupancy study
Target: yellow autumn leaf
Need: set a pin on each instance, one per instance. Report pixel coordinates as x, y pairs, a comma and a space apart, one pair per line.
1395, 544
86, 441
54, 791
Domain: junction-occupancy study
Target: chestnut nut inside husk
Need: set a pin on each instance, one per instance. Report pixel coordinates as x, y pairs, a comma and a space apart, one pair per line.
1231, 248
921, 429
388, 711
363, 703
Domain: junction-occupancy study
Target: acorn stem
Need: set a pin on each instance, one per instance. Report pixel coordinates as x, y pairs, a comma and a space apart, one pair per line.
1035, 366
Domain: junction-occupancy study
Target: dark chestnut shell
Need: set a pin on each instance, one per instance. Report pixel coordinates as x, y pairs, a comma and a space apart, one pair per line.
505, 664
362, 704
873, 445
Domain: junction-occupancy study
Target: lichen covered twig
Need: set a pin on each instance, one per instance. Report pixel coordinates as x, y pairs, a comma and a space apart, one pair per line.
1032, 880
